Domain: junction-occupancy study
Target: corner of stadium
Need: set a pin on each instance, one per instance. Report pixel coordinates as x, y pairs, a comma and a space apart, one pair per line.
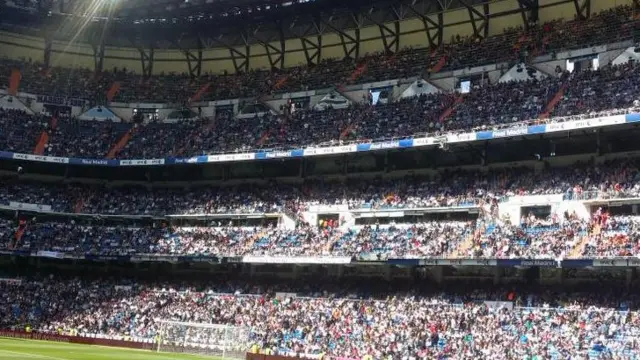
316, 179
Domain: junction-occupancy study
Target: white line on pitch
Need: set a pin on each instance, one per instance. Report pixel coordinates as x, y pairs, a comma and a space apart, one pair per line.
35, 356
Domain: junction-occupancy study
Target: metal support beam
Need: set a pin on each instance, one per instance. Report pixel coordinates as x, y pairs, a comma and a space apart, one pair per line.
390, 36
433, 29
529, 11
97, 38
274, 54
312, 49
47, 50
283, 41
146, 50
350, 43
239, 58
98, 56
194, 59
146, 60
479, 20
583, 9
241, 62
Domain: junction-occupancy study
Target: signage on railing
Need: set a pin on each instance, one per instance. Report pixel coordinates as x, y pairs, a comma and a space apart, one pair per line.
620, 262
514, 130
296, 259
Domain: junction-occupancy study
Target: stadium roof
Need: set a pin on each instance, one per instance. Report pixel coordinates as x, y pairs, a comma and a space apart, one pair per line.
193, 25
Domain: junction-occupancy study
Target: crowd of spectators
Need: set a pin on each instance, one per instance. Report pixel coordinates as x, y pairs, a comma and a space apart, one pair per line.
586, 92
59, 81
552, 238
222, 134
616, 236
513, 45
610, 87
612, 179
19, 132
345, 324
425, 239
503, 103
70, 137
421, 240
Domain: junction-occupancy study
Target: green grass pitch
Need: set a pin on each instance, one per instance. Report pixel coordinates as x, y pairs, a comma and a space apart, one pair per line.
19, 349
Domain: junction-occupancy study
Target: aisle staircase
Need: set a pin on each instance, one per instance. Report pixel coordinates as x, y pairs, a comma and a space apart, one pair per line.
263, 139
281, 82
42, 143
118, 146
359, 71
463, 248
439, 65
256, 240
206, 128
447, 113
577, 250
349, 128
19, 234
554, 101
113, 90
79, 205
203, 89
521, 40
14, 82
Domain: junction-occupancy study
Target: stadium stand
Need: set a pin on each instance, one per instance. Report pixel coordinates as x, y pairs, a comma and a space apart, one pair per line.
483, 251
503, 324
514, 102
463, 53
610, 180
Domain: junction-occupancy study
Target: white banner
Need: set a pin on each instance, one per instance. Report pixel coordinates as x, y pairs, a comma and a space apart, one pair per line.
536, 199
231, 157
330, 150
50, 159
423, 141
465, 137
142, 162
630, 262
285, 295
328, 208
29, 207
499, 304
296, 260
50, 254
457, 262
11, 281
585, 123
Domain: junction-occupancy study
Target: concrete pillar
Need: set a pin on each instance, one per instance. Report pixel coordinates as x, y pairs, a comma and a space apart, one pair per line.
438, 274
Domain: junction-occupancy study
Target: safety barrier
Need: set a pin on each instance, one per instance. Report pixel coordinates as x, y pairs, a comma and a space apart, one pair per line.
75, 339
